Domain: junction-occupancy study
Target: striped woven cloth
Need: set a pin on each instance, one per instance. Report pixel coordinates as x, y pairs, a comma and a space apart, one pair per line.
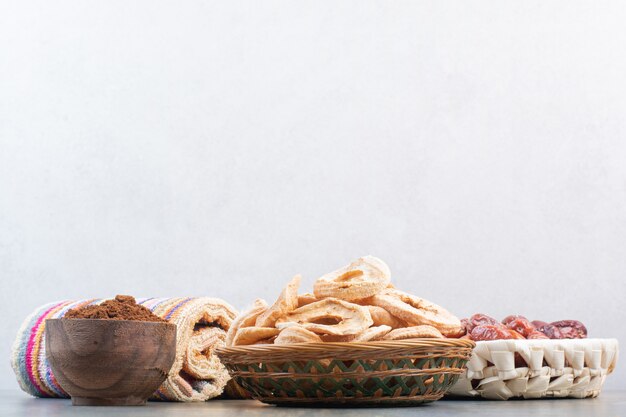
197, 373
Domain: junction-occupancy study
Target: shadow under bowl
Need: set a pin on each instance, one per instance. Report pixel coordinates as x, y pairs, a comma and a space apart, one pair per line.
110, 362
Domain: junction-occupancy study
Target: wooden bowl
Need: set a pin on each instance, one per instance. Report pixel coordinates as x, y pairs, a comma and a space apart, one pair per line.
384, 373
110, 362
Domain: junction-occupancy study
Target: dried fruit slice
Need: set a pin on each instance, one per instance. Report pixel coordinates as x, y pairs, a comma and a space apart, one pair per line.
287, 301
252, 335
296, 334
372, 334
334, 338
306, 298
269, 341
413, 332
329, 316
245, 319
363, 278
382, 317
417, 311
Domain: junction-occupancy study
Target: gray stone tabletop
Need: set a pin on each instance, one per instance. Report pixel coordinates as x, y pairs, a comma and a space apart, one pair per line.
611, 403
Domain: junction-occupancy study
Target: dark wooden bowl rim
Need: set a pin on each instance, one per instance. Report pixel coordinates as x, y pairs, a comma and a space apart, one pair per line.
129, 322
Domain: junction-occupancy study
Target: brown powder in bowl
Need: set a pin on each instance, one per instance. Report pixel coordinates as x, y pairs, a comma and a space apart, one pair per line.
123, 307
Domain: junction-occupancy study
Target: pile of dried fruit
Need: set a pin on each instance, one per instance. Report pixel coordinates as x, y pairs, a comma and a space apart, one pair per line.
356, 303
482, 327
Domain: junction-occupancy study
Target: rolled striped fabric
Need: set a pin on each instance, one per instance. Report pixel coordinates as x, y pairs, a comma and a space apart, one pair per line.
197, 373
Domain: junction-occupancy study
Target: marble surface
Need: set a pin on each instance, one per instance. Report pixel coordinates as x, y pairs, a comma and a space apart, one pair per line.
612, 403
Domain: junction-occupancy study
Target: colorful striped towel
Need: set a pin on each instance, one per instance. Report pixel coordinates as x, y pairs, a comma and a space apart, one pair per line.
197, 373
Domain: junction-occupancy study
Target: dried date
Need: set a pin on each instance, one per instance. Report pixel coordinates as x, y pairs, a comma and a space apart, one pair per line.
483, 327
536, 334
512, 317
552, 332
465, 325
490, 332
539, 324
570, 329
515, 335
481, 320
521, 325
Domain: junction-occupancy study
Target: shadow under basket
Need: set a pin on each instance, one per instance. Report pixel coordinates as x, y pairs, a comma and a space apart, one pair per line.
385, 373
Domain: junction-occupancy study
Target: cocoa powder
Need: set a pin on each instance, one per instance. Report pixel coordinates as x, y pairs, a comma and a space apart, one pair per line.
123, 307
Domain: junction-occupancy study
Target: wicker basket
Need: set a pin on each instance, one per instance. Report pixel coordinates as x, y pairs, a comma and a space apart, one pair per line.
406, 372
503, 369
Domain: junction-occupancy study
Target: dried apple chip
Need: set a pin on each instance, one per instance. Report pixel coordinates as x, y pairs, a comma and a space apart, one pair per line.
287, 301
365, 277
329, 316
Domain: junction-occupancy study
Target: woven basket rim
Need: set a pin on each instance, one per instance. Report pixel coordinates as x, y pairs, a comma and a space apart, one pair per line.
359, 373
329, 347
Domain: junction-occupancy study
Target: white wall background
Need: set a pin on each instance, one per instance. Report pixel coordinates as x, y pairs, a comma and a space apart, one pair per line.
217, 148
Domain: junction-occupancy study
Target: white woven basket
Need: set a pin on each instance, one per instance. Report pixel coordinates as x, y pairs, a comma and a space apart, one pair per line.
573, 368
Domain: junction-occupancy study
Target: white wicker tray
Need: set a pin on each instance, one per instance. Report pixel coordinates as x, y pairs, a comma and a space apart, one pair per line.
573, 368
